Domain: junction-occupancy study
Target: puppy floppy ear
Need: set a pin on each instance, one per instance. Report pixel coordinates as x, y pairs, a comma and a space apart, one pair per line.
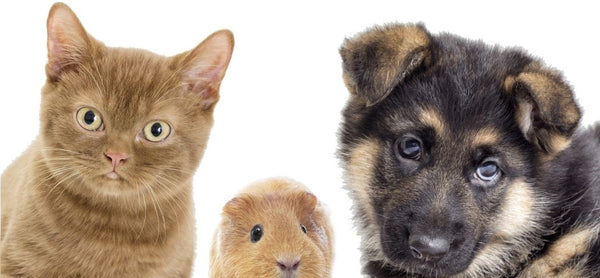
377, 60
546, 110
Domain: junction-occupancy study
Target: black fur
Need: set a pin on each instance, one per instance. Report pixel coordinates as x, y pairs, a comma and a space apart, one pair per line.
471, 87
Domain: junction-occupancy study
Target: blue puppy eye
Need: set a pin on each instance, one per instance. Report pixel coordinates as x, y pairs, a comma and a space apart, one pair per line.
488, 171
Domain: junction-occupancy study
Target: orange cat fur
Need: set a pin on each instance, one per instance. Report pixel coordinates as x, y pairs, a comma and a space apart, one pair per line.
105, 189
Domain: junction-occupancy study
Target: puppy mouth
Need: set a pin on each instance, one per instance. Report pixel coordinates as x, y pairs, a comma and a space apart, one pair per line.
429, 267
427, 254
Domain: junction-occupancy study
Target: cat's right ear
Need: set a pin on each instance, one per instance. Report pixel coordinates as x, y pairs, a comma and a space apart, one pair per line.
204, 67
68, 42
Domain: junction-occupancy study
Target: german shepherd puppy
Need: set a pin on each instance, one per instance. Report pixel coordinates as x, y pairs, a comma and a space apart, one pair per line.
465, 160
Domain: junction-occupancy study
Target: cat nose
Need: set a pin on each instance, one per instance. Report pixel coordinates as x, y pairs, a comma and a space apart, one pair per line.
116, 158
288, 265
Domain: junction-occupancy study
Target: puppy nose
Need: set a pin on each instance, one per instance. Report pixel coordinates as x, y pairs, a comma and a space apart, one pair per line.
116, 158
428, 248
288, 265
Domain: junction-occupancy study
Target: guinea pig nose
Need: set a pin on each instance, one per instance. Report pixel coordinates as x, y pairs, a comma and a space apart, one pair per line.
288, 264
428, 248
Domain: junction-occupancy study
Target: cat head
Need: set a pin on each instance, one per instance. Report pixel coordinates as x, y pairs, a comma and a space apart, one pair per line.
117, 119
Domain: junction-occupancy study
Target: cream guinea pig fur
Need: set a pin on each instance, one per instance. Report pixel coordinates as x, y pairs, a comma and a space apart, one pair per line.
273, 228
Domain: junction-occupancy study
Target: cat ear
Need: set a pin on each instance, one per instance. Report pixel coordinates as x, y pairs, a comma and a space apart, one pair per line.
546, 110
68, 42
205, 66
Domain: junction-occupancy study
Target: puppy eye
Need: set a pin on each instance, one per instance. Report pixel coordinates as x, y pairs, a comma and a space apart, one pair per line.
488, 171
303, 228
89, 119
256, 233
409, 147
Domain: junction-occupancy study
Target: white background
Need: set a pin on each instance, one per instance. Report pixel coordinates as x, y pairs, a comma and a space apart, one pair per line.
283, 93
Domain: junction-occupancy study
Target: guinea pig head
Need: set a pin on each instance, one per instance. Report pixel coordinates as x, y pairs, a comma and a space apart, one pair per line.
273, 235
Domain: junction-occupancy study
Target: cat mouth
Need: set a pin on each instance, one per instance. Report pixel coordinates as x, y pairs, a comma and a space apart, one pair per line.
113, 175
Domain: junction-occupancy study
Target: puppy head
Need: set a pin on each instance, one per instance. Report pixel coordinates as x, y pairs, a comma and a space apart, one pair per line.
440, 141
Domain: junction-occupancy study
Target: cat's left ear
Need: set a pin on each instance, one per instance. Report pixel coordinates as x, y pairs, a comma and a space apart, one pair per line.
205, 66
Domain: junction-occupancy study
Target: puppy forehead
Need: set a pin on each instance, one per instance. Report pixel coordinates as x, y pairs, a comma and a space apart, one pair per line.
431, 118
402, 120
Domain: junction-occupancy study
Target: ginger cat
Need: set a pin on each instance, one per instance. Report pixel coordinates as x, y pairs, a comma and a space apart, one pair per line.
105, 189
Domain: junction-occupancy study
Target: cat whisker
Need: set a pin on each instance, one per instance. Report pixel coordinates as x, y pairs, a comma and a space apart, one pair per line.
93, 77
166, 185
140, 200
157, 209
167, 168
173, 74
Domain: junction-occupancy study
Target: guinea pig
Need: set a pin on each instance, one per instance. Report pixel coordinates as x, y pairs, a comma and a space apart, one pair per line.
273, 228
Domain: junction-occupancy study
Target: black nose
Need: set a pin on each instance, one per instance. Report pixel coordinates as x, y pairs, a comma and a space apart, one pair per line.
428, 248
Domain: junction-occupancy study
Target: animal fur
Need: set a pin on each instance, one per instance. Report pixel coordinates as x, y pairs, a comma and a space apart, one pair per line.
467, 105
280, 206
108, 202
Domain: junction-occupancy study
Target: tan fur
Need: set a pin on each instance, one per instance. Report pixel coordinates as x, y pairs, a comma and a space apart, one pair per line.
485, 137
280, 206
433, 119
360, 171
359, 174
62, 215
517, 227
542, 91
396, 51
555, 261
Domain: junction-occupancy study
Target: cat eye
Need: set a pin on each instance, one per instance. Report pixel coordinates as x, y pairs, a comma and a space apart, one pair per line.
303, 228
156, 131
488, 171
256, 233
89, 119
409, 147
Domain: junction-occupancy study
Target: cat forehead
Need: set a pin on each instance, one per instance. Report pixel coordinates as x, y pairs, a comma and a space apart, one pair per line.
133, 66
125, 74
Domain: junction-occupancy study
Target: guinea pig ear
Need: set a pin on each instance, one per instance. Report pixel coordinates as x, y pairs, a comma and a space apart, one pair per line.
236, 206
376, 61
307, 201
546, 110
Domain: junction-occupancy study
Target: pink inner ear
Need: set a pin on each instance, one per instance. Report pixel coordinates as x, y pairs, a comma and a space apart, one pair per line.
205, 83
56, 57
206, 66
67, 40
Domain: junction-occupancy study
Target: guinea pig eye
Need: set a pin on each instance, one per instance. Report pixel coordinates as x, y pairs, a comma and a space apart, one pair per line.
488, 171
303, 228
409, 147
256, 233
156, 131
89, 119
